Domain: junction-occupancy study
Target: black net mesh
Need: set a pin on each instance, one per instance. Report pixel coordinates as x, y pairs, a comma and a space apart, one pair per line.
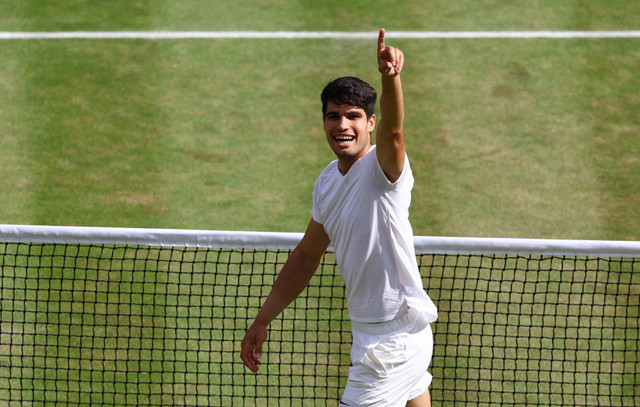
119, 325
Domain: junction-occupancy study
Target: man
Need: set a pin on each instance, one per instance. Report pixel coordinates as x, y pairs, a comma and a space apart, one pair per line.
361, 205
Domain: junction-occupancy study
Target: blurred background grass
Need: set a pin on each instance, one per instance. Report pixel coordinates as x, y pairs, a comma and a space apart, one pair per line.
507, 138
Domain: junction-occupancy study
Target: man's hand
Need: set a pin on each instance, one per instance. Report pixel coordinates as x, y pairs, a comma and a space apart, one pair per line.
390, 134
252, 346
292, 280
390, 59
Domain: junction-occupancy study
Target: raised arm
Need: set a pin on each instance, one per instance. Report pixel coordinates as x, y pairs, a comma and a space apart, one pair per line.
292, 280
390, 133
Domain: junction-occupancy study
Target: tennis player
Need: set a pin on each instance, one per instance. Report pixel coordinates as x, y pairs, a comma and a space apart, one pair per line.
361, 206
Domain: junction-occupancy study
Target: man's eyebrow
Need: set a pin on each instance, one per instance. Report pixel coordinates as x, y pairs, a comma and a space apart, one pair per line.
353, 110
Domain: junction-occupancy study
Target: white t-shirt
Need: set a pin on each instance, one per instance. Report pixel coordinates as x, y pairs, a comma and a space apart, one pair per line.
367, 219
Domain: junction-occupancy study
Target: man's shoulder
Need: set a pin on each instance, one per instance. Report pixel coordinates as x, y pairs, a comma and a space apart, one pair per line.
329, 169
327, 173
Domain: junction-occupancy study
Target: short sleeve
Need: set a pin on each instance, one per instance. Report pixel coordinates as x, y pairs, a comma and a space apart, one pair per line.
405, 182
316, 213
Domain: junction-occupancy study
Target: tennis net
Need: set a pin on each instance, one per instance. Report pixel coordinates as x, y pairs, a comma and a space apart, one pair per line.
148, 317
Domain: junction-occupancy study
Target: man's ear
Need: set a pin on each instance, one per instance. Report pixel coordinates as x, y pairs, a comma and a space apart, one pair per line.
371, 123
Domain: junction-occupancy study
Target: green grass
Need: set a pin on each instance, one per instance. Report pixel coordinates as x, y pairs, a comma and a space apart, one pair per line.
115, 325
311, 15
520, 138
521, 145
508, 138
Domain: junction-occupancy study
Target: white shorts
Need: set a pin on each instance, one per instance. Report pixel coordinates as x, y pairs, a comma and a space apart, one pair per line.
389, 361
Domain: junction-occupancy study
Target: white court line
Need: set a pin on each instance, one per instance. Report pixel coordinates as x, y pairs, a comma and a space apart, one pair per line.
312, 34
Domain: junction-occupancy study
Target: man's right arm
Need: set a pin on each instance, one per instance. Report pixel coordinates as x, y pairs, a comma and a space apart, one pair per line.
292, 280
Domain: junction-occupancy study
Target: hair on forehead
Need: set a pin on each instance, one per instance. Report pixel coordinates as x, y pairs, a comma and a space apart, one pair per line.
350, 91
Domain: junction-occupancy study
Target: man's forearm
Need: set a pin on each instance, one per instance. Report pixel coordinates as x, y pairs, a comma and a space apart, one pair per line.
391, 107
292, 280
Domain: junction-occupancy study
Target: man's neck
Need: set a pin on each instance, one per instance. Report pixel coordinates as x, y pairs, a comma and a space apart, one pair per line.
345, 165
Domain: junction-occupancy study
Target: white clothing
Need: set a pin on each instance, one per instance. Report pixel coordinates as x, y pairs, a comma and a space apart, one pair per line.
390, 362
367, 219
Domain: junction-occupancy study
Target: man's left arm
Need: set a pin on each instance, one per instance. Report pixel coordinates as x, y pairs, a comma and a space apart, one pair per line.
390, 133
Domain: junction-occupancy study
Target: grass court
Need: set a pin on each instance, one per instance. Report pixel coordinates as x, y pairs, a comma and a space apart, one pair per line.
533, 138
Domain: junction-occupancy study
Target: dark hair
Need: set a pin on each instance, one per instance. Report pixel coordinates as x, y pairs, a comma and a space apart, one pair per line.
350, 91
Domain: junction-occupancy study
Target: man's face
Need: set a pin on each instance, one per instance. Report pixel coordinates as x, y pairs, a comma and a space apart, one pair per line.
348, 131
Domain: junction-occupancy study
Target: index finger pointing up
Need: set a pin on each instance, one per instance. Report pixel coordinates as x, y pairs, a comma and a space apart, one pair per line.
381, 40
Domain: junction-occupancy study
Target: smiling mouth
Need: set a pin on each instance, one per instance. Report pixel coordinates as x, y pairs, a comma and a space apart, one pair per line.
344, 139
